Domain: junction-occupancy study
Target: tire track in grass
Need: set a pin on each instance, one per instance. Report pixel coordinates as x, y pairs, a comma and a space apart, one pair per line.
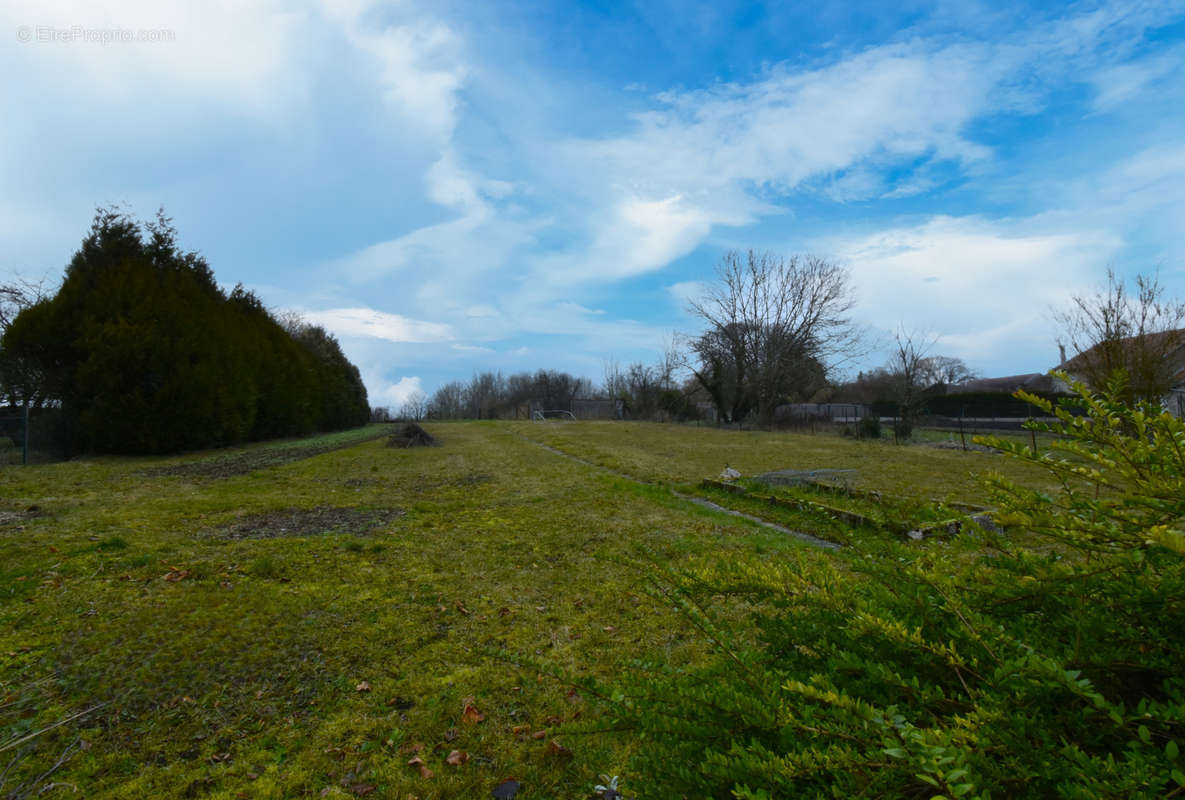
698, 501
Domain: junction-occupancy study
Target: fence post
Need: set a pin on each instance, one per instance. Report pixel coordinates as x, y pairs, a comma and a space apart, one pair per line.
962, 435
25, 448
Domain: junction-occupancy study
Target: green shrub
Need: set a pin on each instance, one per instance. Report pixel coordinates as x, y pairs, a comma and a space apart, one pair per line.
1041, 662
869, 427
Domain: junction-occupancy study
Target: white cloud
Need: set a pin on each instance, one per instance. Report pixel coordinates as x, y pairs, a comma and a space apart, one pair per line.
1122, 82
983, 287
684, 291
393, 395
367, 322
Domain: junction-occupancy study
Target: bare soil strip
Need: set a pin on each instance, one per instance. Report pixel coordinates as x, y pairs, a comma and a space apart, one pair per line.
243, 462
307, 522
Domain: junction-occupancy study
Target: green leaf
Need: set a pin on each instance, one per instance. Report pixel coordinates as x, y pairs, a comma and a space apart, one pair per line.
894, 752
1170, 750
1179, 777
1144, 734
927, 779
962, 789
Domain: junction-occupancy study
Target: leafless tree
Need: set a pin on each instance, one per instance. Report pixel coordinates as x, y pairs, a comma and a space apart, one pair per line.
17, 295
414, 406
614, 385
946, 370
1140, 336
774, 326
908, 365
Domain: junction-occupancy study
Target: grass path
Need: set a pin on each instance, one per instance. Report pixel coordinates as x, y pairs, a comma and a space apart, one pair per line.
304, 629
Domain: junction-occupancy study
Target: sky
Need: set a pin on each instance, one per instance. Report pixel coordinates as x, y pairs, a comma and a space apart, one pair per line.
452, 187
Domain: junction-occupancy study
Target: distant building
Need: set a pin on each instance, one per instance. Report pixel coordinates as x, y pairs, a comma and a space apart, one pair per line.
1159, 356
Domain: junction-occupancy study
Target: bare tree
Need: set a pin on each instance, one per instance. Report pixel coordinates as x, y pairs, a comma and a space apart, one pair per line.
946, 370
16, 296
414, 406
1139, 336
908, 366
775, 325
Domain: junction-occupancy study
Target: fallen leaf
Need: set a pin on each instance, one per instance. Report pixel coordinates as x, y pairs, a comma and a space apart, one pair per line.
457, 757
555, 720
539, 735
503, 612
450, 734
517, 729
426, 773
557, 749
471, 715
506, 789
175, 575
363, 789
574, 697
461, 607
364, 686
416, 762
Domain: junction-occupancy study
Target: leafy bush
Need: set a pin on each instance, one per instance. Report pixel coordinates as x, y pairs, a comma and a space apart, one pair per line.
1045, 662
869, 427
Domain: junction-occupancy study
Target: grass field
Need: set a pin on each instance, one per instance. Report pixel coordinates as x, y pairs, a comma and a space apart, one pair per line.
305, 618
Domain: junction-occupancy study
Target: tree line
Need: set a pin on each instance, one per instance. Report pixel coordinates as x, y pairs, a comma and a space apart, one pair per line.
140, 351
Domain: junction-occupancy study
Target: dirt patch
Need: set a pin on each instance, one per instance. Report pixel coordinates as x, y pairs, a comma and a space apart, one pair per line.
244, 462
307, 522
411, 435
8, 517
971, 447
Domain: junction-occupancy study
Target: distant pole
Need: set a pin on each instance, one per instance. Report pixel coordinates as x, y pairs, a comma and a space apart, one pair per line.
25, 449
962, 435
1033, 434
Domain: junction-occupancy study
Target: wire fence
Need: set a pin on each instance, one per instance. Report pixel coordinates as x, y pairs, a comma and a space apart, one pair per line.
27, 436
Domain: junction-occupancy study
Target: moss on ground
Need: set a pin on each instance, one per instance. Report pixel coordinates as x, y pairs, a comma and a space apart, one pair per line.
306, 627
217, 657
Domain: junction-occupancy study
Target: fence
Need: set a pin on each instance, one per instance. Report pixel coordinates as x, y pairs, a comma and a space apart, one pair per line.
29, 436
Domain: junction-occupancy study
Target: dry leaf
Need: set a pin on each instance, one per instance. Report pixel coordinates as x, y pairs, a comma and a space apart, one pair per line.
175, 575
426, 773
457, 757
539, 735
557, 749
517, 729
364, 686
471, 715
363, 789
461, 607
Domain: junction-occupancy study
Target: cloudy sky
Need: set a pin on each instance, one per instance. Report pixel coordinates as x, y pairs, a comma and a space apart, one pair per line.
454, 186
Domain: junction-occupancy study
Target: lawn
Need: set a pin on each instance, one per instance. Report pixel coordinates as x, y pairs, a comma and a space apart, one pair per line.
306, 618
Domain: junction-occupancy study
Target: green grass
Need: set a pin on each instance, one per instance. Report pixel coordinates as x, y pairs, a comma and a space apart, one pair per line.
656, 453
315, 657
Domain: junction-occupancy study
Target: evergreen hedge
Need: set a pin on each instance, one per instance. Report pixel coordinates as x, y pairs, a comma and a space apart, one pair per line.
144, 353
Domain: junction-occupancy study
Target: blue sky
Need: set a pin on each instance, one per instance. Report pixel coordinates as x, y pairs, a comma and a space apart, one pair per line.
456, 186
